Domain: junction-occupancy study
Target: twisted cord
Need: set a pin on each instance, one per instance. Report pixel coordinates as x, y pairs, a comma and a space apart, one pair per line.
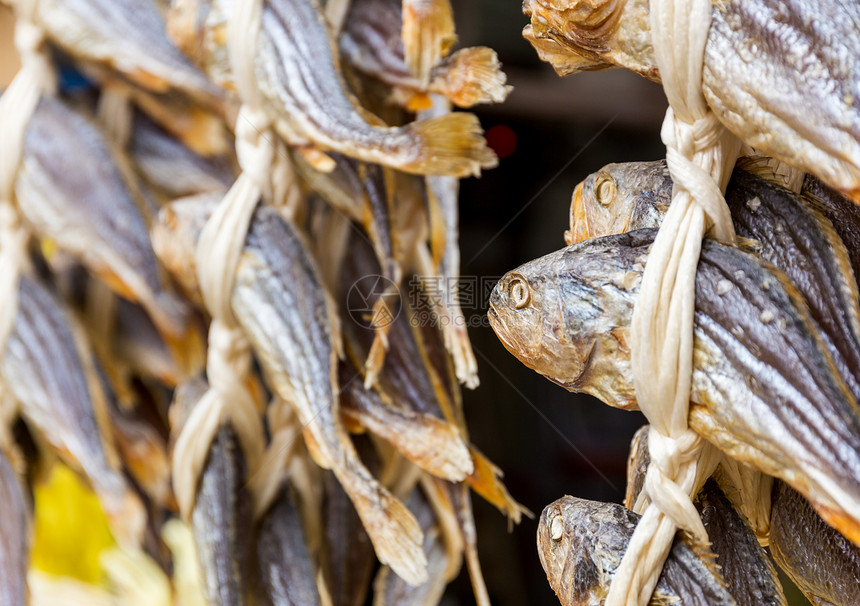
700, 154
17, 105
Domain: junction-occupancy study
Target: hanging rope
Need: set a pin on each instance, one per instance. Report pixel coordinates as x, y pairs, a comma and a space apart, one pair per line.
217, 257
17, 105
700, 155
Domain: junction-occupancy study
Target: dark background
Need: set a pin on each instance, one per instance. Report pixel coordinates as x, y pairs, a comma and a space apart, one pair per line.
549, 442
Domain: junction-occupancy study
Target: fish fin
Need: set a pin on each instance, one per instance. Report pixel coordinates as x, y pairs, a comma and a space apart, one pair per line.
415, 102
393, 530
472, 76
317, 158
428, 34
452, 145
487, 482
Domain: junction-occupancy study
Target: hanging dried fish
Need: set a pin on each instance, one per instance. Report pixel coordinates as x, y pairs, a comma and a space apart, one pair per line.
581, 543
298, 68
14, 535
567, 314
48, 370
371, 43
822, 563
785, 87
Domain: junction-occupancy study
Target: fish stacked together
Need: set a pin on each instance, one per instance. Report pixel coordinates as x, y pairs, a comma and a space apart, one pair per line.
776, 324
361, 450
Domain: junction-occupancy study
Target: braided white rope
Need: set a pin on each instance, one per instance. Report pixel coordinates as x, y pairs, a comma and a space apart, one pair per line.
17, 106
217, 257
700, 155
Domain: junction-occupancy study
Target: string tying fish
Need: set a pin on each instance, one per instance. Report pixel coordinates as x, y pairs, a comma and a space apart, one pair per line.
700, 154
217, 256
17, 105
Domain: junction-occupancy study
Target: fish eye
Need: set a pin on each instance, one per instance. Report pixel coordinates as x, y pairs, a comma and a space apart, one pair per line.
556, 527
520, 292
605, 189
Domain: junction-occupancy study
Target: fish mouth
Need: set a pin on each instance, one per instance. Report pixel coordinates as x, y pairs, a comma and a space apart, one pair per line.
579, 230
500, 328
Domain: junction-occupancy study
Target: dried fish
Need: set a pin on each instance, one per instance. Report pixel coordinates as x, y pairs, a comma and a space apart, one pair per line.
347, 559
581, 543
372, 44
744, 565
286, 567
566, 315
820, 561
281, 304
129, 38
72, 189
297, 66
171, 167
389, 590
784, 228
843, 213
221, 522
765, 66
14, 535
48, 371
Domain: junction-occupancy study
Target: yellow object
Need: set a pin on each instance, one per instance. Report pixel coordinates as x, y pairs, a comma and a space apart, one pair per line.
71, 531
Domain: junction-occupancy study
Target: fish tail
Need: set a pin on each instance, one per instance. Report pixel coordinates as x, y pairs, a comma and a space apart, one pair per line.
452, 145
487, 482
428, 34
393, 530
472, 76
459, 345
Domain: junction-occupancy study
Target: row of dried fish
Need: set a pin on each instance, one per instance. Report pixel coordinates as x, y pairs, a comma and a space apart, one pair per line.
774, 378
117, 180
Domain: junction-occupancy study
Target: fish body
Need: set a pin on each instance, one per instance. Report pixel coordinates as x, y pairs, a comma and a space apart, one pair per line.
221, 522
348, 561
171, 167
72, 190
580, 544
788, 230
782, 76
60, 395
130, 38
371, 43
286, 567
297, 67
765, 389
280, 302
823, 564
427, 34
842, 213
390, 590
14, 536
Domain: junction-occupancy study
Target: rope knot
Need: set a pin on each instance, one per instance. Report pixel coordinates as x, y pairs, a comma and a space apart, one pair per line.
255, 149
28, 39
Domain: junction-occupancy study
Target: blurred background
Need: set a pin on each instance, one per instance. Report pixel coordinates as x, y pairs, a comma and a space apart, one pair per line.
550, 134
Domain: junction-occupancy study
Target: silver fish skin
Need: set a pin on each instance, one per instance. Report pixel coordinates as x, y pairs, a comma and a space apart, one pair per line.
129, 37
280, 302
171, 167
297, 66
391, 590
823, 564
566, 315
580, 544
744, 565
843, 213
221, 522
14, 536
371, 42
71, 189
286, 567
788, 230
784, 76
347, 560
43, 367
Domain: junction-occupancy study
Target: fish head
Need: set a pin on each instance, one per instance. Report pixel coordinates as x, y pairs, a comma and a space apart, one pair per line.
531, 316
587, 35
619, 198
567, 315
570, 547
